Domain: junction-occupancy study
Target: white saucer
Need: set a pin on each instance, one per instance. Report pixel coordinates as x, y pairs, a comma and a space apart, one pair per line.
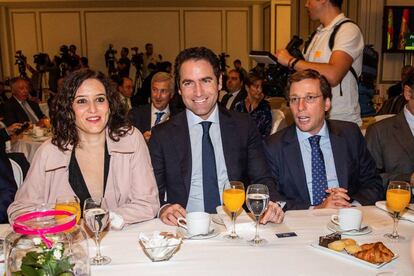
333, 227
211, 234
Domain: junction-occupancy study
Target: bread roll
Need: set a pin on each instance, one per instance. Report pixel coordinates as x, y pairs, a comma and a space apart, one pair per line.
337, 245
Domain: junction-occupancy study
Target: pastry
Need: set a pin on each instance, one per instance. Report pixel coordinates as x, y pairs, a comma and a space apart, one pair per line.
349, 242
325, 240
352, 249
337, 245
375, 253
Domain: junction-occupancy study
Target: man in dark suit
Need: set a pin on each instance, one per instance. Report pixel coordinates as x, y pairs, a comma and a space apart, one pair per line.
200, 149
146, 117
318, 162
391, 141
8, 186
19, 109
235, 89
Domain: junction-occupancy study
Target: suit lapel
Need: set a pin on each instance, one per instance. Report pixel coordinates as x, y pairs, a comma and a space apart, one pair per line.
147, 119
294, 163
181, 139
339, 151
229, 138
403, 135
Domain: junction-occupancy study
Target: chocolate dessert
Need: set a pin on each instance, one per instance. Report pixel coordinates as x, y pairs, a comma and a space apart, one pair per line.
325, 240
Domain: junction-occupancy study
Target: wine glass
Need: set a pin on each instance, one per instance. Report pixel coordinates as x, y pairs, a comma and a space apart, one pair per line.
68, 203
257, 199
398, 198
233, 199
96, 216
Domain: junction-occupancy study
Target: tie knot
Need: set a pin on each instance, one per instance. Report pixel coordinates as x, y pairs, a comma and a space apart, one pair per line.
206, 126
314, 140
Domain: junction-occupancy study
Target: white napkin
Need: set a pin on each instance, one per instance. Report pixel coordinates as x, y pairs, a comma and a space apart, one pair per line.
159, 245
243, 221
408, 215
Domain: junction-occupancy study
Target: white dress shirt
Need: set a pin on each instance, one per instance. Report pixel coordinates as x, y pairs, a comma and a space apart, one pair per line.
154, 112
196, 197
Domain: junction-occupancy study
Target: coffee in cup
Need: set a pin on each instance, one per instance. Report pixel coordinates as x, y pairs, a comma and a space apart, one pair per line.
348, 219
196, 223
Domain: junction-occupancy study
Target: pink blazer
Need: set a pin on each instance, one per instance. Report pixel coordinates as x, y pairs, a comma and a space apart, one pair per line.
131, 190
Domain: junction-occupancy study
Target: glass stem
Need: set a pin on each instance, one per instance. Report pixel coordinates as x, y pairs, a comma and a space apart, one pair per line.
396, 217
233, 217
256, 237
98, 247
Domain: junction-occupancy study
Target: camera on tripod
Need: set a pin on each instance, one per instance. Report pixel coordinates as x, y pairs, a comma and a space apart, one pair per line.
110, 60
276, 75
223, 65
137, 58
41, 60
21, 63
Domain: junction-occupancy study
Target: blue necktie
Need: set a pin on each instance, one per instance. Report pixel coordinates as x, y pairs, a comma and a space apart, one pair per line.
211, 193
158, 119
319, 182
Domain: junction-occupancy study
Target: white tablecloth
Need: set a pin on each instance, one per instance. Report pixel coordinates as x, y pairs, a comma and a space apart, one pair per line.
287, 256
28, 146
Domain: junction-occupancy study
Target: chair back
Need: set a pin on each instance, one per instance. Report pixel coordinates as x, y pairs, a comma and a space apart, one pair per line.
17, 172
278, 120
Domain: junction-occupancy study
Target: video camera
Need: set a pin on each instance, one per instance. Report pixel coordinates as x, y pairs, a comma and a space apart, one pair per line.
21, 63
276, 75
42, 61
137, 58
223, 65
110, 60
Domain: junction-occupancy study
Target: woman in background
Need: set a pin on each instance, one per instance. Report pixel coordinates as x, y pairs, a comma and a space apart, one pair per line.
94, 152
255, 104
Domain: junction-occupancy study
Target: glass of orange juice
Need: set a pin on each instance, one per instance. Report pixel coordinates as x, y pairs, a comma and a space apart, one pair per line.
398, 198
233, 199
69, 203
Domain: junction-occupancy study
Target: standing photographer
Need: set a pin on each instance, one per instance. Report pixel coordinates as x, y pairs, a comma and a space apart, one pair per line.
335, 64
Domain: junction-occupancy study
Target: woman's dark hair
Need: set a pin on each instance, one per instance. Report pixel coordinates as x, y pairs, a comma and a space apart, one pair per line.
251, 79
64, 128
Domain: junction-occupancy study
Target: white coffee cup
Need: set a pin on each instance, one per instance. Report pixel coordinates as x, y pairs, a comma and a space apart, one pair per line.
348, 219
38, 131
196, 223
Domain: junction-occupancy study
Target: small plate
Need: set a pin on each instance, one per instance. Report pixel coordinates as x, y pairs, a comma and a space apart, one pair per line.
351, 257
333, 227
211, 234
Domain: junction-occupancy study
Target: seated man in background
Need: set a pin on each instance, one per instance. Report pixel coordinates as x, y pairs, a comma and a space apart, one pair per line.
197, 151
125, 88
235, 90
19, 108
146, 117
318, 162
391, 141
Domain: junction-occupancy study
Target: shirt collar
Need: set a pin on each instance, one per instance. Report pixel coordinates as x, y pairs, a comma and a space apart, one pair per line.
155, 110
335, 21
194, 119
305, 135
409, 117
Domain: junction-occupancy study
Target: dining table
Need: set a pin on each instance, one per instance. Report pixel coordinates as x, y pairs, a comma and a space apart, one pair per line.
292, 255
28, 144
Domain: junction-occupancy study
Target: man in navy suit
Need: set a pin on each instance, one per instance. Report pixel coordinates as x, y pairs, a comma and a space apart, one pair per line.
19, 108
318, 162
8, 186
200, 149
147, 116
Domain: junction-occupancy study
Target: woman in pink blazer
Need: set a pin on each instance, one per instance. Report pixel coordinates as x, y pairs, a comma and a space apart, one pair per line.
94, 152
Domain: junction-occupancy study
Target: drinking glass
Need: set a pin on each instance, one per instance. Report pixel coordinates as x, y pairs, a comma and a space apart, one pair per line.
257, 200
398, 198
233, 199
68, 203
96, 216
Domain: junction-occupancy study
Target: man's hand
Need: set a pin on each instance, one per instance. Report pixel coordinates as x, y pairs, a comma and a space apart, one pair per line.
273, 214
170, 213
12, 128
283, 57
147, 135
337, 198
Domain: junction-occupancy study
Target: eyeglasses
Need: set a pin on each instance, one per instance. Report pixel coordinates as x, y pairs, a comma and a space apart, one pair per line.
308, 99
